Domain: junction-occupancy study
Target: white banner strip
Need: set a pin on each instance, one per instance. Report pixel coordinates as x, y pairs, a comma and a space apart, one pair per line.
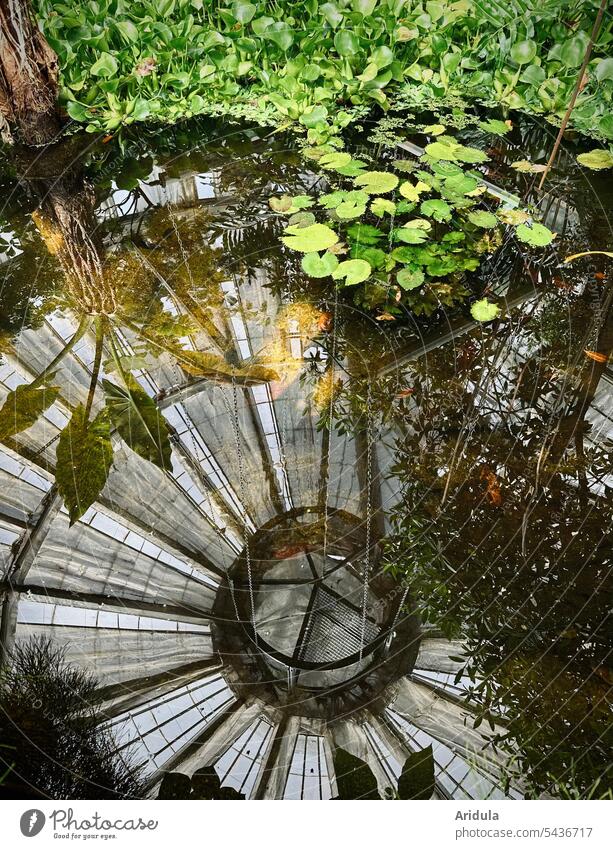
293, 825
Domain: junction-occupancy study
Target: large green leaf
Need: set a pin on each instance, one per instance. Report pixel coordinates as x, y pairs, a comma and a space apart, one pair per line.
523, 52
534, 234
377, 182
597, 160
354, 778
319, 266
316, 237
437, 209
84, 458
23, 406
483, 310
353, 270
417, 778
139, 422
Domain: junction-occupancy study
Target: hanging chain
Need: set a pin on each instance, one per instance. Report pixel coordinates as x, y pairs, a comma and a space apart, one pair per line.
241, 477
366, 573
330, 419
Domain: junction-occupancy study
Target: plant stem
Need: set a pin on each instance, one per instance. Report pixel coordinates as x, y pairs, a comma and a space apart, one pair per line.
79, 333
573, 100
96, 365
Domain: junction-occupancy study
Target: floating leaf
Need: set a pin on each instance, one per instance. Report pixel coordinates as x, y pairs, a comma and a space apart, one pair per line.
365, 234
377, 182
437, 209
334, 160
483, 310
417, 778
513, 216
410, 236
353, 206
482, 218
303, 219
23, 406
461, 184
139, 422
319, 266
381, 206
534, 234
281, 204
84, 459
526, 167
412, 192
434, 129
353, 270
498, 128
419, 224
597, 160
316, 237
410, 278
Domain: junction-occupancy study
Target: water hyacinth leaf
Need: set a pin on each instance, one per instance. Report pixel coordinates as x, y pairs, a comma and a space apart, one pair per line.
374, 256
243, 11
597, 160
346, 43
534, 234
573, 50
437, 209
523, 52
105, 66
353, 271
410, 278
377, 182
482, 218
281, 34
382, 206
23, 406
484, 310
84, 459
314, 116
604, 69
316, 237
319, 266
139, 422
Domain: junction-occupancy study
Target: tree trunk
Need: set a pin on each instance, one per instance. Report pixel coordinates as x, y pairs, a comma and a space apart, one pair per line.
28, 77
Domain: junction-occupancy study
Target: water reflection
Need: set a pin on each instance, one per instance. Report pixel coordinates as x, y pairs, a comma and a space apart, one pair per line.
359, 536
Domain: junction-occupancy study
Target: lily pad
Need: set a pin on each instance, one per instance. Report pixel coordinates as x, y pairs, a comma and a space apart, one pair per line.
534, 234
334, 160
484, 310
412, 192
498, 128
597, 160
382, 206
353, 270
319, 266
377, 182
482, 218
316, 237
437, 209
513, 216
410, 278
419, 224
410, 236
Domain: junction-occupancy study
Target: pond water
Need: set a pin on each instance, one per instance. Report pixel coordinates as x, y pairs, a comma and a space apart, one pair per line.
375, 532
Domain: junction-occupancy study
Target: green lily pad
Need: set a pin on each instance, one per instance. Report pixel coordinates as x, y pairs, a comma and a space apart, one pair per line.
513, 216
437, 209
534, 234
412, 192
483, 310
334, 160
365, 234
349, 209
597, 160
410, 236
410, 278
316, 237
377, 182
353, 270
319, 266
498, 128
484, 219
382, 206
419, 224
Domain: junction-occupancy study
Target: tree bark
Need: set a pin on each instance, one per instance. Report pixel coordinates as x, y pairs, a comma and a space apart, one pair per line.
28, 78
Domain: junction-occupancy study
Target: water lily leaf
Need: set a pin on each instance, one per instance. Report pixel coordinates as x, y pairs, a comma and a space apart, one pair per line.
334, 160
483, 310
353, 169
382, 206
410, 236
597, 160
407, 165
417, 778
319, 266
353, 270
365, 234
437, 209
332, 199
281, 204
412, 192
434, 129
139, 422
316, 237
498, 128
461, 184
482, 218
471, 155
349, 209
303, 219
410, 278
534, 234
513, 216
23, 406
377, 182
526, 167
441, 150
84, 459
447, 169
419, 224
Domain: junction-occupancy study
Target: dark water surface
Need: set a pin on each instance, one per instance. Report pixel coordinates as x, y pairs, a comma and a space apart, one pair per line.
372, 534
